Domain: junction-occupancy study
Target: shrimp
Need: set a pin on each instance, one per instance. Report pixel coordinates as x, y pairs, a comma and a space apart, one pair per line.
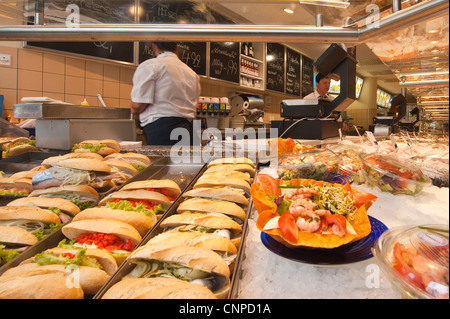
301, 206
296, 193
309, 224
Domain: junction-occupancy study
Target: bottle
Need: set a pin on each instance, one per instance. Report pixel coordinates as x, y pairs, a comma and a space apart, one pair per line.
85, 103
250, 50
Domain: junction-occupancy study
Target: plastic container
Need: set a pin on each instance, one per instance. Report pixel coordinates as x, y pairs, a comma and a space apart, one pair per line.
416, 259
391, 174
316, 164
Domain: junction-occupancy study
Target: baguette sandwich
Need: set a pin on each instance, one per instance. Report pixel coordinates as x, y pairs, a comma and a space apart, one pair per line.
34, 284
204, 223
231, 161
206, 181
218, 193
53, 160
244, 168
204, 205
90, 268
154, 201
40, 222
138, 216
114, 236
13, 241
166, 187
195, 265
157, 288
102, 147
16, 187
18, 146
139, 161
63, 207
82, 196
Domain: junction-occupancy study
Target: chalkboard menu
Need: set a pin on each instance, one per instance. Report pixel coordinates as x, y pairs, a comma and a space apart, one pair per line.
293, 60
191, 53
224, 61
90, 12
275, 67
307, 76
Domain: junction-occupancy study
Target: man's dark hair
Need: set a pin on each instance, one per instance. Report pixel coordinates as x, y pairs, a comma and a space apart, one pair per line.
321, 76
167, 46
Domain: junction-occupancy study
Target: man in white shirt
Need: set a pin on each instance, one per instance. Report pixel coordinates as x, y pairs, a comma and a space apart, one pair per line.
323, 83
165, 94
323, 86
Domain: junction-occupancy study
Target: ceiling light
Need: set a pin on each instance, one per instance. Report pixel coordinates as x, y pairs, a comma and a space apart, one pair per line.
425, 73
433, 31
287, 10
327, 3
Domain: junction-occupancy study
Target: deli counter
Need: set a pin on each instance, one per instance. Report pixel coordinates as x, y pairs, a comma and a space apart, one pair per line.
264, 268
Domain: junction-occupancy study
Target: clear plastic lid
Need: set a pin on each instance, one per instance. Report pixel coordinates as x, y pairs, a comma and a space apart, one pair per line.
393, 175
416, 260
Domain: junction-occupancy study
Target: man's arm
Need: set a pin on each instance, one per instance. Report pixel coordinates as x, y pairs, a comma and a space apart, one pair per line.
137, 108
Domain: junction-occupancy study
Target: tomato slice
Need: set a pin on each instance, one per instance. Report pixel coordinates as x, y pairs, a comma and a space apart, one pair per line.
338, 220
269, 185
402, 259
362, 198
288, 227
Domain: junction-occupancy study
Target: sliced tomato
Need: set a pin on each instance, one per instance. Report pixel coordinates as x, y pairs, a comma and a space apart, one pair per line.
338, 220
402, 259
362, 198
288, 227
269, 185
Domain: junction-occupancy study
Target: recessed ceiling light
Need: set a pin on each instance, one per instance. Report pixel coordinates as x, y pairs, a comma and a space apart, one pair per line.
433, 31
287, 10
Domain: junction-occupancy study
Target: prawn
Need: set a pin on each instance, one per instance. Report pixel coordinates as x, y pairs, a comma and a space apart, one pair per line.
310, 224
296, 193
301, 207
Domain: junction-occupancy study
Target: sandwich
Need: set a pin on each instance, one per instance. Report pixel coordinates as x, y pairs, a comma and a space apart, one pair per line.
18, 146
102, 147
13, 241
114, 236
138, 216
15, 186
166, 187
139, 161
53, 160
154, 201
124, 169
218, 224
228, 174
204, 205
59, 206
74, 171
221, 245
34, 284
89, 268
218, 193
82, 196
40, 222
157, 288
244, 168
231, 161
195, 265
237, 183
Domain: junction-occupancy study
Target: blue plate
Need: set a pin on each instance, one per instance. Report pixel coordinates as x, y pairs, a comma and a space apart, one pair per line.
346, 254
339, 178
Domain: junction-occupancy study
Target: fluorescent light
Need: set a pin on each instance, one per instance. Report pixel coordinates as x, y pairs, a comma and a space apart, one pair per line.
327, 3
288, 10
424, 73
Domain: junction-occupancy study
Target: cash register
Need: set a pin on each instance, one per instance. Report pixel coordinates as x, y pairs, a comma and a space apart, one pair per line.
318, 118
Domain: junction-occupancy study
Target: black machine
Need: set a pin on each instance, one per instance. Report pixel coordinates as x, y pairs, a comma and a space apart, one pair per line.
396, 112
318, 119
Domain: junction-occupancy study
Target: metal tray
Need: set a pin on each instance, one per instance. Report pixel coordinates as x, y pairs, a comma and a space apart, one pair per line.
161, 168
127, 267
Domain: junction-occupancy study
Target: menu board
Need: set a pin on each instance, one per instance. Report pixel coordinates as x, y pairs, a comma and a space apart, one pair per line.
191, 53
307, 76
224, 61
275, 67
292, 72
102, 11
